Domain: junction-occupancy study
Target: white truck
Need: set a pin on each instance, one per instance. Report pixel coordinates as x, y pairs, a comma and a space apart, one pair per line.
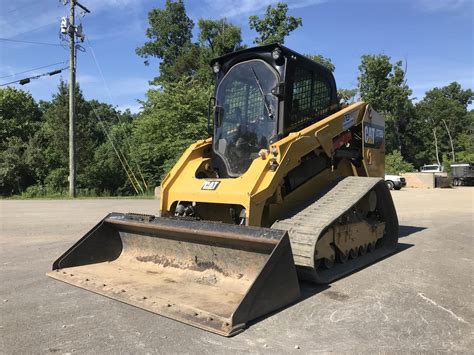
432, 168
395, 182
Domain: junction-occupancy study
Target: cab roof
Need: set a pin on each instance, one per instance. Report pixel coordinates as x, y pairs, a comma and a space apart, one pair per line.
248, 52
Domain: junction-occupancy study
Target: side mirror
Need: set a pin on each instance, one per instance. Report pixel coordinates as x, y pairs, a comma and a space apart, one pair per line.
279, 90
218, 113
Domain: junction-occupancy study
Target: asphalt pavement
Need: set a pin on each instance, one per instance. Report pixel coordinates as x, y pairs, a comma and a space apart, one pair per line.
418, 300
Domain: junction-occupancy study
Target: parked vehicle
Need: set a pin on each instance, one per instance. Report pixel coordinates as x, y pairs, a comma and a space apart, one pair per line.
463, 174
395, 182
432, 168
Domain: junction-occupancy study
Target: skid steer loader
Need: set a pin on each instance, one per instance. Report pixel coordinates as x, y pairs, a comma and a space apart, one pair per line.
288, 186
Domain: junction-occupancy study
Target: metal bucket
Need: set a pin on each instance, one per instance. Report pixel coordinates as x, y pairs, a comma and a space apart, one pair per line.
214, 276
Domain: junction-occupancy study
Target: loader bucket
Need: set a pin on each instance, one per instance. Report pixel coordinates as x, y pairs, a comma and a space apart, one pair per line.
214, 276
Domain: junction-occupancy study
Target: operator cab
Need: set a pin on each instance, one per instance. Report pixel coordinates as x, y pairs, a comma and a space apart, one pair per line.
262, 94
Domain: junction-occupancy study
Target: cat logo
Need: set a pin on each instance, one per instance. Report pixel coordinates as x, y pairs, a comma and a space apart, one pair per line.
210, 185
369, 134
373, 136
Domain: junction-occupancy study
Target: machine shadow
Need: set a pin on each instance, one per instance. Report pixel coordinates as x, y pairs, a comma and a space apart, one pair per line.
405, 231
309, 289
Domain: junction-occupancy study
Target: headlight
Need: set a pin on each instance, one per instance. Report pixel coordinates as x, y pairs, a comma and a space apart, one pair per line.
276, 54
216, 67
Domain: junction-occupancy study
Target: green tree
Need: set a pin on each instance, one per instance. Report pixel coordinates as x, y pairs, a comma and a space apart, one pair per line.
15, 174
216, 38
54, 135
465, 141
20, 115
419, 148
20, 118
170, 33
219, 36
318, 58
188, 63
443, 111
110, 174
395, 164
173, 118
275, 25
383, 85
347, 96
50, 151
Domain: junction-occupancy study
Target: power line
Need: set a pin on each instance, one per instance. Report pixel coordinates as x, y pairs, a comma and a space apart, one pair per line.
32, 30
27, 80
30, 42
118, 118
30, 4
26, 71
18, 8
121, 157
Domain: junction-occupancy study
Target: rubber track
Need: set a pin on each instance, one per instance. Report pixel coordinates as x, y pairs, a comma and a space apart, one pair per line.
306, 225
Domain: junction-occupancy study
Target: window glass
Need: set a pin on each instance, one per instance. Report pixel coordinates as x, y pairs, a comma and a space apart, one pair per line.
311, 97
321, 98
249, 112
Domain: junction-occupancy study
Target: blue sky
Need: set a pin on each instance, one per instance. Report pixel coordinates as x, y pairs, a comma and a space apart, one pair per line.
435, 37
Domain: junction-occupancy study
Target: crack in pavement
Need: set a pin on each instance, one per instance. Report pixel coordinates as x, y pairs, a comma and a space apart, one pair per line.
441, 307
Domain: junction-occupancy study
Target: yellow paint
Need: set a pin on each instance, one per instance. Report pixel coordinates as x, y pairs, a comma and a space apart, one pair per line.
258, 190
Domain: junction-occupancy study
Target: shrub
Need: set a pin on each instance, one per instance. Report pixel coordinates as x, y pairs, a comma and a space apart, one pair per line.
395, 164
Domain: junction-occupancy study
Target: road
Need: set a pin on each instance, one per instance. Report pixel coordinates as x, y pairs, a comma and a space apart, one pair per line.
419, 299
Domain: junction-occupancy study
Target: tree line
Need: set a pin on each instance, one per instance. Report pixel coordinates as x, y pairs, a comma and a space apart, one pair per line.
120, 153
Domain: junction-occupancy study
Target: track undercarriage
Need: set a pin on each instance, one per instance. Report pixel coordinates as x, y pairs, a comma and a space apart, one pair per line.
348, 226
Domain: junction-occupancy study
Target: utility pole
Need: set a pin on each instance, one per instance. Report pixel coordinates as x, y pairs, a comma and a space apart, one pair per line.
68, 27
72, 108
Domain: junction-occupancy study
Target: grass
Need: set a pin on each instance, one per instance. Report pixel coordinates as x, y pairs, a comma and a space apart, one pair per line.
43, 193
66, 197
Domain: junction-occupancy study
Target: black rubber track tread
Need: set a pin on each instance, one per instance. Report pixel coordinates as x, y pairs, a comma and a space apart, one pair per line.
306, 225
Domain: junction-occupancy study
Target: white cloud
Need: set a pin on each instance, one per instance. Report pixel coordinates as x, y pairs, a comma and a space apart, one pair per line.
16, 24
441, 5
46, 15
232, 8
108, 5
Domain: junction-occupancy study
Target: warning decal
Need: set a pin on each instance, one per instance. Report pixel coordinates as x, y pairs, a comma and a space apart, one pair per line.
348, 121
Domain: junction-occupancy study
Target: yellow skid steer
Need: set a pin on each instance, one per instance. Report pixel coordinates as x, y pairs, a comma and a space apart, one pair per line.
288, 187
